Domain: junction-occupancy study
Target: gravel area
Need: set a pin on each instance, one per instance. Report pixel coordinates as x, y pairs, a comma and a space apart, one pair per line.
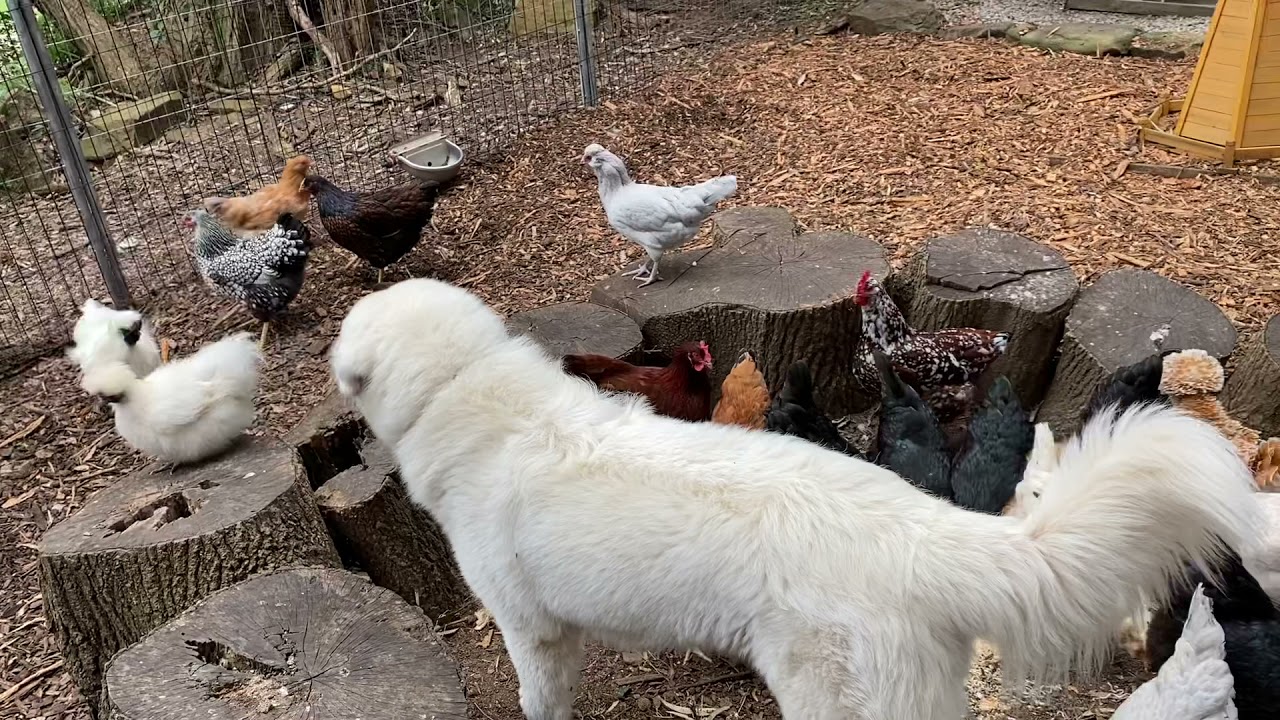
1050, 11
962, 12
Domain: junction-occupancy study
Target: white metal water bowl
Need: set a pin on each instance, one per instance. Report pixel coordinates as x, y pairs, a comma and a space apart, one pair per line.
432, 157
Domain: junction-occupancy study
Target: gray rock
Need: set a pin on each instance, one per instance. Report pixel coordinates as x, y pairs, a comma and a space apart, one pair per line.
132, 124
980, 30
1082, 38
883, 17
26, 158
1168, 45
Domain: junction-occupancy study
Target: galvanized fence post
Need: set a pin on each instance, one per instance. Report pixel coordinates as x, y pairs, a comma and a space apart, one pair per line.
65, 137
586, 52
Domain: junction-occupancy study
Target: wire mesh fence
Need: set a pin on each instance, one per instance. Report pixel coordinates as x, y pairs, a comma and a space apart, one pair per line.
177, 100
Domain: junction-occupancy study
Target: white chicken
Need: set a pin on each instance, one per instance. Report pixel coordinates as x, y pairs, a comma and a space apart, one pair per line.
105, 335
1194, 684
656, 218
188, 409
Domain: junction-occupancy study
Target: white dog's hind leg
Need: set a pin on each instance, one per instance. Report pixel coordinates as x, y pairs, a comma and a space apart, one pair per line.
549, 666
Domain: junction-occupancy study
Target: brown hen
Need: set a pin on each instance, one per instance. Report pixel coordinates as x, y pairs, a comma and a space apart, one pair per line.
681, 390
379, 227
256, 213
744, 397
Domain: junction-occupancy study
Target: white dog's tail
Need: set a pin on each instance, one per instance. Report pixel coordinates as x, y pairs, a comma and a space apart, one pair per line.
1133, 500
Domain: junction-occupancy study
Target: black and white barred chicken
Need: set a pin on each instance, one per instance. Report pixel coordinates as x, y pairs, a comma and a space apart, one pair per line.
264, 271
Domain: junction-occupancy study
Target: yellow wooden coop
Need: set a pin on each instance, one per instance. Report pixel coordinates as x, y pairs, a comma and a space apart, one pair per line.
1232, 110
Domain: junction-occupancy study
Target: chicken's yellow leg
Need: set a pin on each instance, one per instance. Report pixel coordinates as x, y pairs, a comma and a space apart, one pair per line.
262, 339
379, 276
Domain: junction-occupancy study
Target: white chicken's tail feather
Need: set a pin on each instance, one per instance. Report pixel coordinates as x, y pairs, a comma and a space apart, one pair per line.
1196, 682
232, 361
717, 189
1132, 499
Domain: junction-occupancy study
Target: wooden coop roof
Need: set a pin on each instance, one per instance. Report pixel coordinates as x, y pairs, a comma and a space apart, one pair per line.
1232, 109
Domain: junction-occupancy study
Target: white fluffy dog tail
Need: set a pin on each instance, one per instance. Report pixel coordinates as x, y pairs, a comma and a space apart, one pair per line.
1134, 499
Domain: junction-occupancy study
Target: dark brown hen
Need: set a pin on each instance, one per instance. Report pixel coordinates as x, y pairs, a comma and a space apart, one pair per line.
381, 226
681, 390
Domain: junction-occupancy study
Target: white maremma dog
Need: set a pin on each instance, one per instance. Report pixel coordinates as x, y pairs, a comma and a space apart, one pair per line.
579, 515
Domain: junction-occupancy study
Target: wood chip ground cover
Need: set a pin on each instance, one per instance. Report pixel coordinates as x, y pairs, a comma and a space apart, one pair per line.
900, 139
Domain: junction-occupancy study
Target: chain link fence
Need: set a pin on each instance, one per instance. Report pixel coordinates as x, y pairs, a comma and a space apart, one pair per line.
166, 102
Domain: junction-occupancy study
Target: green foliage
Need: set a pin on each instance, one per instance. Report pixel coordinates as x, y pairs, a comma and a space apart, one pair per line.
14, 72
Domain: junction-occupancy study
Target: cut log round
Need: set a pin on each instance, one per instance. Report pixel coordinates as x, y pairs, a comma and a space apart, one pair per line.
142, 551
577, 327
328, 438
1111, 325
784, 296
300, 643
1252, 394
380, 531
996, 281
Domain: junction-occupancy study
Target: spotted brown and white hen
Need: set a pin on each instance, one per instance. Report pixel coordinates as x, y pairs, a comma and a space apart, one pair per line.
940, 364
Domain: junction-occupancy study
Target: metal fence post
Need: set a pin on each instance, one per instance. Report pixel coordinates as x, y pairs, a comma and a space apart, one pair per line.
62, 127
586, 53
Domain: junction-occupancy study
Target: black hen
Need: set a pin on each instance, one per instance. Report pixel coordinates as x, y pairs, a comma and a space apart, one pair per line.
380, 226
1000, 437
1250, 622
1130, 385
794, 412
910, 443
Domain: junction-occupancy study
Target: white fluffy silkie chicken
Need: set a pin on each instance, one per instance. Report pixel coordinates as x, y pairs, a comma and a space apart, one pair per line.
186, 410
657, 218
105, 335
1195, 683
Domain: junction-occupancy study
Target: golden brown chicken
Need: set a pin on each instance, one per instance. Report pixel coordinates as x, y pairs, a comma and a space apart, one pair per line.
256, 213
1192, 379
1268, 465
744, 397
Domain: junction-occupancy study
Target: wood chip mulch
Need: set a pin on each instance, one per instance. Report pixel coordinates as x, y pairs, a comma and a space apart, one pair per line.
901, 139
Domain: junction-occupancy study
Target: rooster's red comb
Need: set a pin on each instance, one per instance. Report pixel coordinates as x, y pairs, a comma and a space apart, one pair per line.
862, 281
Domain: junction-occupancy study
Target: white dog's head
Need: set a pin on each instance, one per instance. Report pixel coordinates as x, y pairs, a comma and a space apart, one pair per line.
400, 346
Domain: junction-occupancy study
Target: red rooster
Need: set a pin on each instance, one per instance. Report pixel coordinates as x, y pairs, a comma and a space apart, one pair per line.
939, 364
681, 390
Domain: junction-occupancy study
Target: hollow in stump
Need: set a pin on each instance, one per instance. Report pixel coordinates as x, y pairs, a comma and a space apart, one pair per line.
996, 281
1112, 325
578, 327
299, 643
328, 438
145, 549
380, 530
1252, 393
763, 287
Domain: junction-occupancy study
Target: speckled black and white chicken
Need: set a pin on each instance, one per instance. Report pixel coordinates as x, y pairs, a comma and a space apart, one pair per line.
264, 272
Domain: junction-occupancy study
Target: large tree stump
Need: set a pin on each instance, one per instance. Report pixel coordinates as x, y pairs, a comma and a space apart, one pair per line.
996, 281
1111, 325
142, 551
1252, 393
300, 643
763, 287
577, 327
379, 530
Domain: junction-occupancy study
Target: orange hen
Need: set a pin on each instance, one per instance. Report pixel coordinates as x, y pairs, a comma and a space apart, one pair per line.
744, 397
258, 212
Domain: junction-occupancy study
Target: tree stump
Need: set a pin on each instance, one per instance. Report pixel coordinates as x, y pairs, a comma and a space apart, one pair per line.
381, 531
143, 550
785, 296
577, 327
328, 439
1252, 393
300, 643
1111, 325
996, 281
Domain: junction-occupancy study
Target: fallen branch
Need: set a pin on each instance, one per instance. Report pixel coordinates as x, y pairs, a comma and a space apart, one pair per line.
24, 686
300, 16
1174, 171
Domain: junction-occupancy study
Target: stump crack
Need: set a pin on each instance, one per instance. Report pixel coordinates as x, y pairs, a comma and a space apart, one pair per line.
157, 513
1012, 276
